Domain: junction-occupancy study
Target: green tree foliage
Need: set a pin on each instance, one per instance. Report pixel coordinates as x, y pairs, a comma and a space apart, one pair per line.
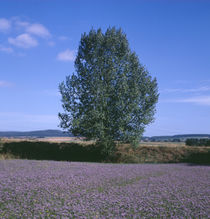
111, 97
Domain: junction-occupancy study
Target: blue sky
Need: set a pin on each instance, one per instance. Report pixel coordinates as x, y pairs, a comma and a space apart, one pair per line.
39, 39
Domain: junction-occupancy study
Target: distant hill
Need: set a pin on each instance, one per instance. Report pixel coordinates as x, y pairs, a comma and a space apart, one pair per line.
176, 137
38, 134
58, 133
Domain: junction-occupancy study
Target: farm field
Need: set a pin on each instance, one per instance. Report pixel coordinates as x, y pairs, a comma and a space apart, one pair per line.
46, 139
51, 189
81, 140
163, 144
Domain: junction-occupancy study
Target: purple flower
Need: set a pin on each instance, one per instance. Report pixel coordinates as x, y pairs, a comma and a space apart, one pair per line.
50, 189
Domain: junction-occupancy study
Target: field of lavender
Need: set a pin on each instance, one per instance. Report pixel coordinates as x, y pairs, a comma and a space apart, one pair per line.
52, 189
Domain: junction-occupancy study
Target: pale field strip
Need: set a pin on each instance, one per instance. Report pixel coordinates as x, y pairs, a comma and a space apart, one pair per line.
49, 139
82, 141
163, 144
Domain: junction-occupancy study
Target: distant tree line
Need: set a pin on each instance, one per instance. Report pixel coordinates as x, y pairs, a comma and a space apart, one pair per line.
165, 140
198, 142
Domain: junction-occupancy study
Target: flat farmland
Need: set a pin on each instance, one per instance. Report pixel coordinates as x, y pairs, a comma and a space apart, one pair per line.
81, 140
49, 139
163, 144
50, 189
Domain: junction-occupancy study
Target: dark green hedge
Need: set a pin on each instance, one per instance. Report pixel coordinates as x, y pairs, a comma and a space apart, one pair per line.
198, 142
92, 153
53, 151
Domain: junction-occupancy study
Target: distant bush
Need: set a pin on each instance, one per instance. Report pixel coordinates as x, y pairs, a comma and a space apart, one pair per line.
198, 142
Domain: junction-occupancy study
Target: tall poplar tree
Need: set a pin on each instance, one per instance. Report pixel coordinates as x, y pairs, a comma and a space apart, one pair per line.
111, 97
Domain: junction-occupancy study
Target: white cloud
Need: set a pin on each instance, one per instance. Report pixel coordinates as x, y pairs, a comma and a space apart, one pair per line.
6, 49
18, 24
23, 41
67, 56
183, 90
38, 30
5, 84
31, 28
4, 25
27, 34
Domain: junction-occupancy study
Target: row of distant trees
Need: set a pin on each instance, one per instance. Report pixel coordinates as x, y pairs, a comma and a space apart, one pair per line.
198, 142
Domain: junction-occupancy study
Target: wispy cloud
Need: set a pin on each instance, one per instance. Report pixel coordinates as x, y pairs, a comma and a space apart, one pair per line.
24, 41
5, 25
67, 56
51, 43
6, 49
184, 90
19, 23
5, 84
200, 100
38, 30
52, 92
182, 81
63, 38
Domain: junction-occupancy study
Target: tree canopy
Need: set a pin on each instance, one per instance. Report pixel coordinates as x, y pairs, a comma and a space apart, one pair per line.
111, 96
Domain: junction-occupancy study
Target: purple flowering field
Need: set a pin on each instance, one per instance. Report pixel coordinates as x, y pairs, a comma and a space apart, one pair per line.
50, 189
